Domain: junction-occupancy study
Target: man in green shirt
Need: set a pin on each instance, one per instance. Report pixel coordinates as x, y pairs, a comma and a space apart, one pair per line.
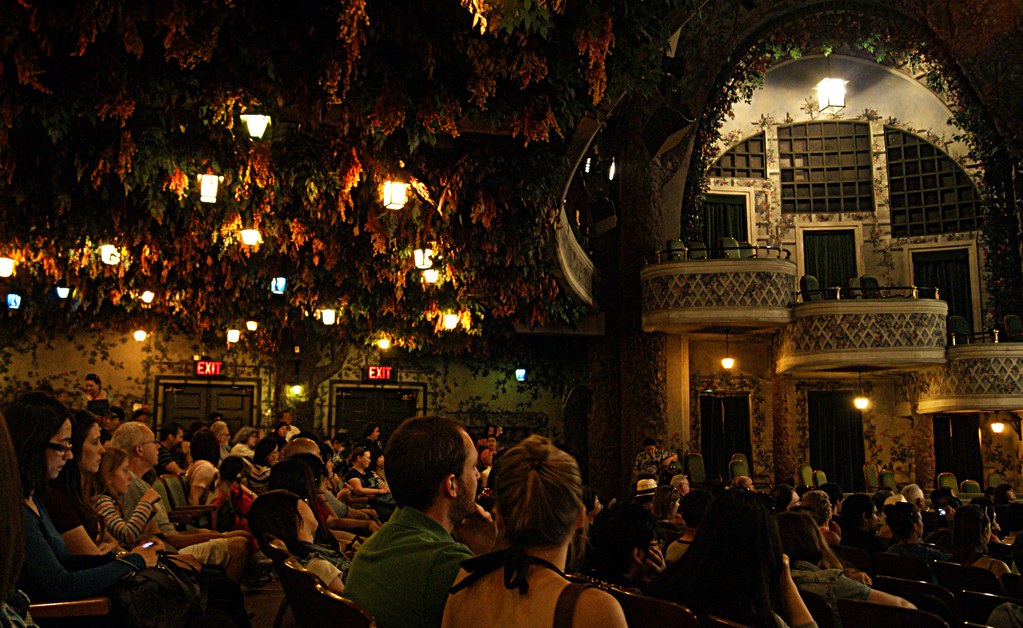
403, 572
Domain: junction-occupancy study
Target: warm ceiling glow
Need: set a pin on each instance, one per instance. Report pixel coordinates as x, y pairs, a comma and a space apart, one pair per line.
450, 321
395, 194
251, 325
234, 335
328, 316
63, 292
727, 362
431, 275
831, 95
251, 237
140, 335
148, 296
208, 184
861, 402
998, 427
255, 123
110, 254
6, 267
423, 258
384, 343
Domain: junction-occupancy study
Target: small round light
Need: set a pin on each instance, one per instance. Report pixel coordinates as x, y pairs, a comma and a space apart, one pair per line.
63, 292
251, 237
6, 267
110, 254
431, 275
148, 296
450, 321
727, 362
234, 335
140, 335
384, 344
861, 402
998, 427
296, 389
251, 325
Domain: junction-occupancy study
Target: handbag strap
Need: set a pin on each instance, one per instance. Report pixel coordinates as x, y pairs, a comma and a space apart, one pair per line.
565, 609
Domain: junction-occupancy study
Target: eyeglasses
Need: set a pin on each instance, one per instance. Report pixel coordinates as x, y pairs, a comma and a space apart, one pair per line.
62, 448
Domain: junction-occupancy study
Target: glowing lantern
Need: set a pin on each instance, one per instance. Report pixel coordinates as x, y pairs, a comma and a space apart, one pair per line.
13, 301
431, 275
395, 194
251, 325
63, 292
234, 335
148, 296
450, 321
6, 267
861, 402
831, 95
278, 285
727, 362
296, 389
255, 123
384, 343
251, 237
208, 184
423, 258
998, 427
140, 335
328, 317
110, 254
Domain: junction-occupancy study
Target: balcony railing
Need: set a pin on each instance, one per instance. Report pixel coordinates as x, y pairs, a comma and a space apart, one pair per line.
981, 377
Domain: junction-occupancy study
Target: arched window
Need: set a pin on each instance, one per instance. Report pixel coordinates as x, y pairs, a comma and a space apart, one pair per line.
825, 167
746, 160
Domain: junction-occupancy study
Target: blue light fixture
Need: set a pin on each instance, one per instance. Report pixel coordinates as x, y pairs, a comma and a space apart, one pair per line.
278, 285
520, 375
13, 301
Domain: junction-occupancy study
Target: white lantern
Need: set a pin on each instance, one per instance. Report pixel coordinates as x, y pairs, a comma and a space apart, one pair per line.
328, 316
255, 123
450, 321
861, 402
6, 267
251, 237
431, 275
384, 343
727, 363
140, 335
423, 258
148, 296
63, 292
13, 301
998, 427
831, 95
296, 389
208, 185
278, 285
110, 254
395, 194
251, 325
234, 335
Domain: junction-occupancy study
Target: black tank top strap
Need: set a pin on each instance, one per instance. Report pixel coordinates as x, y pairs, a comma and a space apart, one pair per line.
565, 609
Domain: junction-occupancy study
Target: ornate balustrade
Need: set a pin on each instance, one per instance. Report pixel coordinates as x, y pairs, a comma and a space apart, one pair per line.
983, 377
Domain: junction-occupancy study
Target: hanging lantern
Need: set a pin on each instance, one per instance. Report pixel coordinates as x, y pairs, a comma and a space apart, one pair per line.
278, 285
13, 301
255, 123
208, 185
110, 254
251, 325
148, 296
861, 402
328, 316
63, 292
728, 361
384, 343
831, 95
6, 267
998, 427
296, 389
395, 194
251, 237
431, 275
140, 335
450, 321
234, 335
423, 258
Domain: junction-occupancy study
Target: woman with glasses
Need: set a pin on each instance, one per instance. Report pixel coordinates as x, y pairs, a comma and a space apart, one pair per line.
40, 428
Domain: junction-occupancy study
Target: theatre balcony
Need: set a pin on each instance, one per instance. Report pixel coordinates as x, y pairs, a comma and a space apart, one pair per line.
750, 288
981, 375
874, 329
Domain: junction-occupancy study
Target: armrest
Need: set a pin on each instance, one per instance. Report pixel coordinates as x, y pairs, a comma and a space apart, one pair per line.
89, 607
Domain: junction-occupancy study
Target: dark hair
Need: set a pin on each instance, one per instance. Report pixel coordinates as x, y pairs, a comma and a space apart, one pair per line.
116, 412
781, 497
193, 428
205, 446
368, 429
649, 442
92, 377
880, 496
589, 498
901, 517
733, 566
694, 505
834, 491
1002, 494
420, 454
231, 468
214, 417
296, 475
280, 439
969, 533
315, 465
170, 429
69, 482
32, 420
854, 508
138, 414
617, 531
264, 448
12, 540
326, 452
275, 513
801, 539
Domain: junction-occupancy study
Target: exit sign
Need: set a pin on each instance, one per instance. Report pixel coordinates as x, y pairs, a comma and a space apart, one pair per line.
381, 373
208, 368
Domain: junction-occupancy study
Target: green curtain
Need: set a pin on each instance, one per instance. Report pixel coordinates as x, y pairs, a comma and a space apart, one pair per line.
724, 430
724, 215
949, 272
957, 446
836, 437
830, 256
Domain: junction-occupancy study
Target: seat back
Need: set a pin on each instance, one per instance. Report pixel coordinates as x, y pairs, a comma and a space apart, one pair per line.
871, 287
177, 490
947, 479
747, 250
737, 467
713, 621
161, 487
870, 476
857, 613
959, 330
676, 250
1013, 585
804, 475
926, 595
958, 578
809, 288
855, 292
819, 478
819, 608
970, 486
729, 247
887, 478
994, 479
693, 463
641, 610
855, 557
900, 566
976, 607
1013, 325
275, 550
697, 250
313, 605
740, 456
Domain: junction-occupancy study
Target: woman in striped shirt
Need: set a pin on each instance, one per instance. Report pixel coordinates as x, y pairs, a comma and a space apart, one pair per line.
115, 478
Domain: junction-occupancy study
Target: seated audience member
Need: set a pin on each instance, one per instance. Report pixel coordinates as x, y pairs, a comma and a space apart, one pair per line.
285, 515
907, 528
539, 508
681, 484
914, 495
231, 498
735, 568
223, 435
651, 461
783, 497
244, 441
228, 550
644, 493
115, 479
403, 572
264, 457
694, 505
202, 473
818, 506
592, 503
304, 474
626, 544
816, 569
860, 522
989, 509
171, 459
970, 536
743, 482
40, 428
836, 496
365, 483
666, 502
13, 602
70, 510
880, 496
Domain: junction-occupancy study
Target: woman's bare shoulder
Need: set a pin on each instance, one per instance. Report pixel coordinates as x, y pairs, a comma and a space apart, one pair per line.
598, 608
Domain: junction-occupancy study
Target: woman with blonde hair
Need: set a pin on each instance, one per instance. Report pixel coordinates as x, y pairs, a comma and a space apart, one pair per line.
538, 509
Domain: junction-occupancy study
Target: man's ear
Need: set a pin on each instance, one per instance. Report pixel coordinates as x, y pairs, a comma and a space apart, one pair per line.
451, 485
638, 555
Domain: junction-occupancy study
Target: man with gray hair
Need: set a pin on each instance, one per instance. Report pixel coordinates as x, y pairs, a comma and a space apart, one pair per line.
915, 496
229, 550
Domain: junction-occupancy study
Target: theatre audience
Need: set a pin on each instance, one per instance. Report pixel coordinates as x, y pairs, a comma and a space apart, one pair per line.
626, 546
115, 479
244, 441
202, 473
735, 568
970, 537
907, 528
365, 483
592, 503
665, 506
538, 509
172, 458
264, 457
860, 523
783, 497
818, 506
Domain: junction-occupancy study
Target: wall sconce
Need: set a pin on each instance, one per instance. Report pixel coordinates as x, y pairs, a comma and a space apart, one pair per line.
234, 335
831, 93
110, 254
278, 285
431, 275
251, 325
395, 194
148, 296
6, 267
13, 301
140, 335
255, 123
251, 237
384, 343
728, 361
450, 321
328, 316
208, 185
63, 292
997, 427
423, 258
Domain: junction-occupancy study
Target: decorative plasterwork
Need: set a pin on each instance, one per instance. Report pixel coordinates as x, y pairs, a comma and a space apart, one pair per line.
984, 377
